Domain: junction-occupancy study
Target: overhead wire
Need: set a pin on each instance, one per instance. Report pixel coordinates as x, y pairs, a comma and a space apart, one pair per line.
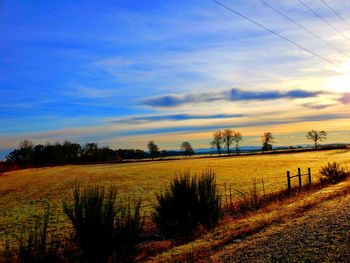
323, 19
304, 28
335, 12
277, 34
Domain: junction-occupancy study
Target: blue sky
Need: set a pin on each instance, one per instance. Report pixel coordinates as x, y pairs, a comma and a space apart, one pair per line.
124, 72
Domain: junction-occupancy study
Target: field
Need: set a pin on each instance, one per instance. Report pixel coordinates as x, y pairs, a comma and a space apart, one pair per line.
25, 193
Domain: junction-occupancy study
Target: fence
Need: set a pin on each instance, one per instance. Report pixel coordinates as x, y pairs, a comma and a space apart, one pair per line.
299, 176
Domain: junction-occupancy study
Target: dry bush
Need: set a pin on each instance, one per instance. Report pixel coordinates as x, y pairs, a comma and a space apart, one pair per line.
186, 204
39, 245
102, 227
333, 173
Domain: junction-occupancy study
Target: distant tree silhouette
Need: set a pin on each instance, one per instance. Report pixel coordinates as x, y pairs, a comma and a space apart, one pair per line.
130, 154
153, 149
217, 141
227, 138
71, 151
90, 152
26, 144
316, 136
38, 155
187, 149
105, 154
28, 154
237, 137
267, 140
23, 155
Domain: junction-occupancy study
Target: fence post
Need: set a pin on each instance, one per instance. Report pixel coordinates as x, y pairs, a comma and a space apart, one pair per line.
231, 203
299, 176
225, 193
263, 186
288, 182
309, 173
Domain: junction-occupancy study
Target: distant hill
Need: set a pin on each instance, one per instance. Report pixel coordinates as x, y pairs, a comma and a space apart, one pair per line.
242, 149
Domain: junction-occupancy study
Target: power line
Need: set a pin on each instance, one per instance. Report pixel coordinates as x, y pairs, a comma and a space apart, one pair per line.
304, 28
277, 34
335, 12
324, 20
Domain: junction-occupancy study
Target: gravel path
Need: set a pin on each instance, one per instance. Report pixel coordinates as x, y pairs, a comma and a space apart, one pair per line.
321, 234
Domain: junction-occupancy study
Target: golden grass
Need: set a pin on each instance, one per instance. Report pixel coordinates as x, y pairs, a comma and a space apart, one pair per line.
23, 193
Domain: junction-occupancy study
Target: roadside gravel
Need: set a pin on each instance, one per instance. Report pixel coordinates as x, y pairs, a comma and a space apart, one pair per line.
321, 234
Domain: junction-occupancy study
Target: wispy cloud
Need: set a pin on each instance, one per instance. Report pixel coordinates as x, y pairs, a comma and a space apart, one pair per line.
237, 94
318, 106
175, 117
173, 100
238, 125
92, 92
345, 99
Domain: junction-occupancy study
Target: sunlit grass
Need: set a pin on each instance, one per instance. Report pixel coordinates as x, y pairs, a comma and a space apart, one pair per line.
24, 193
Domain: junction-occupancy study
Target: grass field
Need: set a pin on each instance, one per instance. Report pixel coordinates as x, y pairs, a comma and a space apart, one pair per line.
24, 193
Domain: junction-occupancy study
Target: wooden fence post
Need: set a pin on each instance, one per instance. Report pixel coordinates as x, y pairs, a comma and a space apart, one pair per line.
263, 186
288, 182
225, 193
299, 176
309, 173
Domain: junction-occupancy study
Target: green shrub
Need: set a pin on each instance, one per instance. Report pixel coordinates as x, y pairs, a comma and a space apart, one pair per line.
101, 226
187, 203
333, 173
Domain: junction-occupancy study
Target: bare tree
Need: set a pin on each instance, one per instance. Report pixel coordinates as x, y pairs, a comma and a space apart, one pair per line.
26, 144
153, 149
237, 137
90, 152
267, 140
187, 149
316, 136
217, 141
25, 152
227, 138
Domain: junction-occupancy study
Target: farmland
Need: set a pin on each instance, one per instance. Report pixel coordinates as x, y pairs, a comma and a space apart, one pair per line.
25, 193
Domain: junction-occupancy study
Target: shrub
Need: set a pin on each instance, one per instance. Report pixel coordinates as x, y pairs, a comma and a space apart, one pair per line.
254, 195
101, 227
209, 200
187, 203
7, 256
128, 226
245, 200
35, 248
333, 173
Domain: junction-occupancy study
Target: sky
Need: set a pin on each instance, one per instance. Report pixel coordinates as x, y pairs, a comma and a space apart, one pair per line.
121, 73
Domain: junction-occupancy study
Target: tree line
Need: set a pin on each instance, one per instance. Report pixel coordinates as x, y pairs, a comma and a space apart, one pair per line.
28, 154
185, 149
225, 139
